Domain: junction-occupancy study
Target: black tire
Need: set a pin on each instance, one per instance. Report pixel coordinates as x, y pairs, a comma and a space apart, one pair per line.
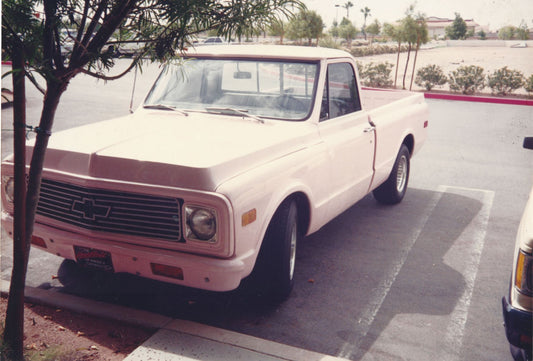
273, 275
394, 188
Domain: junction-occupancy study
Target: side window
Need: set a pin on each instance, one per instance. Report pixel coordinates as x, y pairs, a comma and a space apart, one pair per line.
340, 93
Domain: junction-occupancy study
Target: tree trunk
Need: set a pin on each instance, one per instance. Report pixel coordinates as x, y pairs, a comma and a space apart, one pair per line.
54, 91
397, 62
414, 64
14, 322
406, 65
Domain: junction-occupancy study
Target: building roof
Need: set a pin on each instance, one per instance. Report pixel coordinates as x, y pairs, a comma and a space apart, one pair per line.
436, 22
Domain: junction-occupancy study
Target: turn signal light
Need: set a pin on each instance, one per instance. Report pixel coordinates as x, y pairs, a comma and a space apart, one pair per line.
167, 271
249, 217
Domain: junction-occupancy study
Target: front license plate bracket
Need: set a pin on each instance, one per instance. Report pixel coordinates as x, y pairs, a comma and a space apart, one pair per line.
94, 258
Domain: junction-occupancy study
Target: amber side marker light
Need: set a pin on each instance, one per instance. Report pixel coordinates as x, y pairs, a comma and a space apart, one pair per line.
167, 271
249, 217
38, 241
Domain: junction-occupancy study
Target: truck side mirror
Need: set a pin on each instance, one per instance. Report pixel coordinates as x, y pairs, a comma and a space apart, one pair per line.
528, 142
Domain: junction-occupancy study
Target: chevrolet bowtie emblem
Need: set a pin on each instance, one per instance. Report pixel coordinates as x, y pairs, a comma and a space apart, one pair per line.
89, 209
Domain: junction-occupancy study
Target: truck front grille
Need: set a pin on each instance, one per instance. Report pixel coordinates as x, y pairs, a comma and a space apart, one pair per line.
111, 211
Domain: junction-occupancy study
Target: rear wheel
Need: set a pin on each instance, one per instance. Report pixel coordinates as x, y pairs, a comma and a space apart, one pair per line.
273, 275
394, 188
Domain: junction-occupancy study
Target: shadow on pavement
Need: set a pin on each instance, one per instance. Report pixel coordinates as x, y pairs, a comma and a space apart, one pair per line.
338, 269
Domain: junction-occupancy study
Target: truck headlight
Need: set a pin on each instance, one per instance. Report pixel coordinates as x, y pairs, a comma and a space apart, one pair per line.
200, 224
524, 273
9, 188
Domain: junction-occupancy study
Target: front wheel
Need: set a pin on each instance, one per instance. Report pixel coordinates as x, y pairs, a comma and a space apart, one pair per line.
394, 188
274, 271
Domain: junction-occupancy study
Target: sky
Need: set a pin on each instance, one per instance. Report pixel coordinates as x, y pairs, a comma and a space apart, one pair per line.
491, 13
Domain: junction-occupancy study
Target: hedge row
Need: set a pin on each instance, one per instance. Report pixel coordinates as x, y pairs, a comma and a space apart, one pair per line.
376, 50
465, 79
471, 79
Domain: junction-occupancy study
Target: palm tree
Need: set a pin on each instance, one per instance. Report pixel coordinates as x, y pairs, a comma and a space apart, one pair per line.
347, 6
366, 13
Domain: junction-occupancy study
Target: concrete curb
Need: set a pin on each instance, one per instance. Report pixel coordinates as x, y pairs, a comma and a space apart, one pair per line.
91, 308
479, 99
175, 339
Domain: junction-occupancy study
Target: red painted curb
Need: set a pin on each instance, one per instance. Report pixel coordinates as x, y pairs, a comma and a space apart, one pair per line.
479, 99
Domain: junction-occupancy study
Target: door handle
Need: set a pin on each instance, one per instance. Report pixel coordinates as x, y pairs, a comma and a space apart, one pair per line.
369, 129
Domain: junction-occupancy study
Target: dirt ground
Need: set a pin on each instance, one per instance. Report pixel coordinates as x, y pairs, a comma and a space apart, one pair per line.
450, 58
76, 336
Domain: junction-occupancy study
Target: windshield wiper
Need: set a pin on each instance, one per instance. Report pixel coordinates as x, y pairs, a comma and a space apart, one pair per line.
233, 111
165, 107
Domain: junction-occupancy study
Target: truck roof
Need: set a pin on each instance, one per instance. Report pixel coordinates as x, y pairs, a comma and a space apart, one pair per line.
305, 53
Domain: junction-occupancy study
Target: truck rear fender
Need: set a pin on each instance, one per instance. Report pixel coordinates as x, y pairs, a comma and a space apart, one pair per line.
393, 130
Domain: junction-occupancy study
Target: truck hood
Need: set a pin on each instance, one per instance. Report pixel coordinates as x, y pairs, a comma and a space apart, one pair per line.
166, 148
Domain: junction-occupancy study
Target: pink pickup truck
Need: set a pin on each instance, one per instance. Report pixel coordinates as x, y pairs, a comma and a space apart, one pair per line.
236, 154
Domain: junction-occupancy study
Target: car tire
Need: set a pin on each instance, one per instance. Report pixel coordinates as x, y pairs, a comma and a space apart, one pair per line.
273, 275
394, 188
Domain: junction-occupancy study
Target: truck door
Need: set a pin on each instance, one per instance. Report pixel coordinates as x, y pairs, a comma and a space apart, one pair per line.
348, 135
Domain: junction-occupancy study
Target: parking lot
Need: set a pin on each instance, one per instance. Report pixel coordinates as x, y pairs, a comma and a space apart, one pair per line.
417, 280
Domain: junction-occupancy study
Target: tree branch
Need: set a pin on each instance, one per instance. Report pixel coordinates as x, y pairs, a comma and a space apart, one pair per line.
34, 82
106, 78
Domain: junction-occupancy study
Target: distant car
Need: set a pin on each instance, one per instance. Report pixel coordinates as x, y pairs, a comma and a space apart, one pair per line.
518, 307
214, 41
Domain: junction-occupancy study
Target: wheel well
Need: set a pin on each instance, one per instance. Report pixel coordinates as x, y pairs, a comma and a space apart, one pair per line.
409, 141
304, 214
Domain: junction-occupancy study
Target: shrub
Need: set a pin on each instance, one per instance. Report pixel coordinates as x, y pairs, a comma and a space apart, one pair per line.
430, 76
504, 81
528, 84
467, 79
376, 75
378, 49
328, 42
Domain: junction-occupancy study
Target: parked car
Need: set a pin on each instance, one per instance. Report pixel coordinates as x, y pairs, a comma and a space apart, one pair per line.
216, 40
518, 306
234, 156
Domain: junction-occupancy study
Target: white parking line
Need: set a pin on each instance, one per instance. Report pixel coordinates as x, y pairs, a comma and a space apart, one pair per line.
380, 292
470, 246
463, 256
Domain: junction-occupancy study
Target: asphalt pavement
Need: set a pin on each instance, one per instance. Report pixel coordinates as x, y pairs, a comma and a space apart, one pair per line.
175, 339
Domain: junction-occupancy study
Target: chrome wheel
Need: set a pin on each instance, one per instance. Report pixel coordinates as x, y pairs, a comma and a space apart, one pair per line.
393, 189
401, 174
292, 255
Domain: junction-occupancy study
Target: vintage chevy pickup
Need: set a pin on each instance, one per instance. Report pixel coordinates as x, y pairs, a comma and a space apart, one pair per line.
236, 154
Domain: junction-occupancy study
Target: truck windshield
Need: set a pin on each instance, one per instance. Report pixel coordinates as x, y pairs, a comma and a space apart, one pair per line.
270, 89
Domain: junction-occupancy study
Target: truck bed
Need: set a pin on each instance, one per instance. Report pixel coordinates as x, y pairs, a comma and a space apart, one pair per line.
373, 98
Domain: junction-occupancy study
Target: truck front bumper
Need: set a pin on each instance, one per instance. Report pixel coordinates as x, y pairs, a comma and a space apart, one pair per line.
203, 272
518, 326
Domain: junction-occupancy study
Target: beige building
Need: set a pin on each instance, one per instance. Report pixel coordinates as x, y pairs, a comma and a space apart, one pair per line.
437, 26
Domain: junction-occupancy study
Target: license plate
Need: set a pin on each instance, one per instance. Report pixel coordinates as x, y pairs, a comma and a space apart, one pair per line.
94, 258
